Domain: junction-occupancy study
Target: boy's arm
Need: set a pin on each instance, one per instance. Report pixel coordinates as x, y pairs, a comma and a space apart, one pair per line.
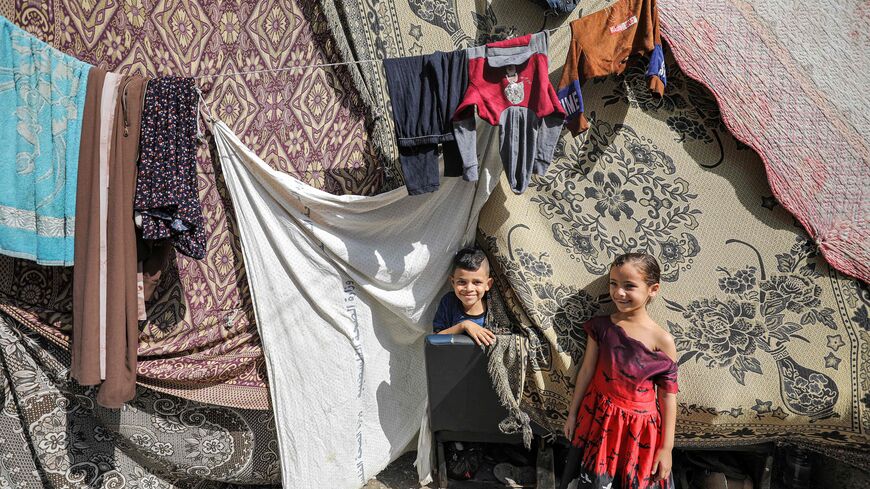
479, 334
455, 329
584, 376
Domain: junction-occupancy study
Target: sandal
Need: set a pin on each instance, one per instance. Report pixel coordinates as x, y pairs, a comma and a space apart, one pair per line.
512, 476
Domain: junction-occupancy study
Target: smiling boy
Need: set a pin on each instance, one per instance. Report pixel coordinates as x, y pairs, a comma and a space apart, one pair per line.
464, 309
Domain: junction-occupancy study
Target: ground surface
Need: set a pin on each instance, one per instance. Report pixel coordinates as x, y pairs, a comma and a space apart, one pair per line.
402, 474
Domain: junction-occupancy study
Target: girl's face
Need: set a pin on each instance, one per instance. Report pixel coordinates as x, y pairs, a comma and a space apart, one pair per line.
628, 288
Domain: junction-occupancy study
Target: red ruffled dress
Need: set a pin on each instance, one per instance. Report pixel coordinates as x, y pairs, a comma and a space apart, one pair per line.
619, 424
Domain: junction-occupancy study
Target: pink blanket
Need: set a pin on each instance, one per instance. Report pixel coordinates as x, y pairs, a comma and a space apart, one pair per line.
788, 77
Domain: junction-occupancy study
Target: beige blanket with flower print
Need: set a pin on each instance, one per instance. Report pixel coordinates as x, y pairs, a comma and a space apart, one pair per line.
773, 343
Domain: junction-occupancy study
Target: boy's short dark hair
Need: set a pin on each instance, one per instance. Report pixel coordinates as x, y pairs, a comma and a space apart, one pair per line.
470, 259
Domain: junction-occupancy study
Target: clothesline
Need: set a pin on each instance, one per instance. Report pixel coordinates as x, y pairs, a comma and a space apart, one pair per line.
307, 67
289, 68
204, 112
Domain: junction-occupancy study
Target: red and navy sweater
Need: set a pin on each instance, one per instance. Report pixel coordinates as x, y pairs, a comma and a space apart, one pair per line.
508, 84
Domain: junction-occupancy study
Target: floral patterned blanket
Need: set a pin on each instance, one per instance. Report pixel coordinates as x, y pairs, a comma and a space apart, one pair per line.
201, 341
817, 170
200, 355
55, 435
755, 310
774, 343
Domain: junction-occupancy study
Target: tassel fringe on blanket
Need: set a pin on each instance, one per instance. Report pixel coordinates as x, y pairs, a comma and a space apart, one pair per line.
506, 364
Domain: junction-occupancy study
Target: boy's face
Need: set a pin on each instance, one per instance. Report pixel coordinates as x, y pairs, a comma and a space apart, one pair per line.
470, 286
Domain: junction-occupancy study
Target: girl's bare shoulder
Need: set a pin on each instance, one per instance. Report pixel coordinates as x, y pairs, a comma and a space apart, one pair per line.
665, 342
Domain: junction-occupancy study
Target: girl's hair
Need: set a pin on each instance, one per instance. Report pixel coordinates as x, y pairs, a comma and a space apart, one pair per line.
647, 265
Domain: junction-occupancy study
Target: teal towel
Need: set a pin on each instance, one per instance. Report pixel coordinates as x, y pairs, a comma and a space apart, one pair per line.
42, 96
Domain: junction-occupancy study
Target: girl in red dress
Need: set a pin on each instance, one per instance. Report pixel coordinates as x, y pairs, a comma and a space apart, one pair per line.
622, 437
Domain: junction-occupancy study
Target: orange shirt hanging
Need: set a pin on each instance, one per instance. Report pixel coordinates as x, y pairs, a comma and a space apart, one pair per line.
602, 43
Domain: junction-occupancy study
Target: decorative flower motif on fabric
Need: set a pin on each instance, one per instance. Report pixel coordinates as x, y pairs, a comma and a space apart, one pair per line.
610, 196
688, 129
32, 293
764, 312
488, 28
37, 104
536, 265
723, 333
442, 14
583, 244
210, 448
276, 24
563, 308
103, 434
223, 259
738, 282
100, 467
649, 155
614, 194
183, 27
514, 92
53, 442
569, 308
135, 12
318, 98
162, 449
163, 63
141, 439
634, 89
693, 113
674, 253
792, 292
230, 27
199, 294
49, 433
144, 480
117, 44
862, 318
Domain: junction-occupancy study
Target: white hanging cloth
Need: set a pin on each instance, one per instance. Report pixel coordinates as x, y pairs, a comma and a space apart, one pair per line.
344, 291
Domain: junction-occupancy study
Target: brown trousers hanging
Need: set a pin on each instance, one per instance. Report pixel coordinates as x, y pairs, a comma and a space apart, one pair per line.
105, 303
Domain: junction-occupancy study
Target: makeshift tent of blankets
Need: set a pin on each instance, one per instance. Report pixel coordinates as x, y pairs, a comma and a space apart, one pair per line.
344, 286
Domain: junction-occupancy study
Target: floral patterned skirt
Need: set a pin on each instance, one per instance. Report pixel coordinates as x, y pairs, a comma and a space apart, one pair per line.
618, 439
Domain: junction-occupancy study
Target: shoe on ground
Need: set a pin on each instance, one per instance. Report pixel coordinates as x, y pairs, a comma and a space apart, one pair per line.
513, 476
